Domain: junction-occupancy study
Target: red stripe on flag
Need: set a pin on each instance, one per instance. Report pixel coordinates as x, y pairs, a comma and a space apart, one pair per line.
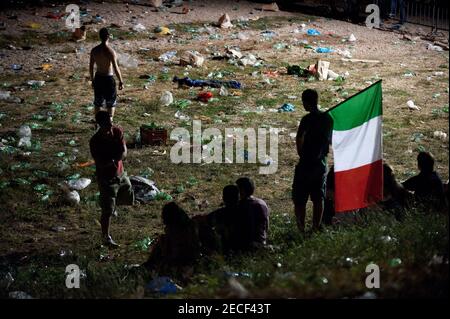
358, 187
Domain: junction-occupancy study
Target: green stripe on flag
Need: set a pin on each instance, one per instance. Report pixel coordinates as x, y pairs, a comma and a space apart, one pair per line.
358, 109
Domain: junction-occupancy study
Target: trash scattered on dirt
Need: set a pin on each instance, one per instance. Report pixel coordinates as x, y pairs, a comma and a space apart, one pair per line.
163, 285
58, 229
313, 32
73, 197
322, 69
345, 53
204, 96
7, 97
236, 289
286, 107
127, 61
6, 281
19, 295
417, 137
78, 184
432, 47
155, 3
166, 98
192, 58
16, 67
225, 22
412, 106
352, 38
163, 196
143, 244
182, 116
139, 28
162, 31
367, 295
270, 7
437, 260
211, 83
24, 136
394, 262
98, 19
324, 50
35, 83
144, 189
440, 135
168, 56
223, 91
268, 34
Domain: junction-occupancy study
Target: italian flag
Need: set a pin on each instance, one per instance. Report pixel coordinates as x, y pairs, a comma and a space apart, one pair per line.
357, 148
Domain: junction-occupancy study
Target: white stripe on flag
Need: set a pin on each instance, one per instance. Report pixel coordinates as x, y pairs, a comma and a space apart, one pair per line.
358, 146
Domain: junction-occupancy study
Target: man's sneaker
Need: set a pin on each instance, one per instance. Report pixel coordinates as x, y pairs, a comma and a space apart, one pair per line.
108, 241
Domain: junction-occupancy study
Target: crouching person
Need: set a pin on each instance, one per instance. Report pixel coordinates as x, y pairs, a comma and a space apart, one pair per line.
179, 246
108, 149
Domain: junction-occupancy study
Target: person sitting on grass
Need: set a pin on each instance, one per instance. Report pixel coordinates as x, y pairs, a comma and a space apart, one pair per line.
252, 224
221, 222
427, 185
179, 246
395, 197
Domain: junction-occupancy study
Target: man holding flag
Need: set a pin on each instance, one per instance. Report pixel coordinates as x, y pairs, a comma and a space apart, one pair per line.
355, 128
313, 140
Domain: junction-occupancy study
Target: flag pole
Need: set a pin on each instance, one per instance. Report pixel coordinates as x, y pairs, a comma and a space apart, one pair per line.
353, 96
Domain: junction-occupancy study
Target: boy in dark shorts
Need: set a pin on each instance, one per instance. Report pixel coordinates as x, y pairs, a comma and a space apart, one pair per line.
108, 149
104, 57
313, 140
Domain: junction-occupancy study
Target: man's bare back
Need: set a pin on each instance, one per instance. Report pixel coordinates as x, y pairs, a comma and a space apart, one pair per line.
103, 83
105, 59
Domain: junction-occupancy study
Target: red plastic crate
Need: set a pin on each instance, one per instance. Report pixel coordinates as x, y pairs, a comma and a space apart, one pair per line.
153, 136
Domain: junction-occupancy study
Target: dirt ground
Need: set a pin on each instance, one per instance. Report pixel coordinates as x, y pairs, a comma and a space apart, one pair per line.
408, 69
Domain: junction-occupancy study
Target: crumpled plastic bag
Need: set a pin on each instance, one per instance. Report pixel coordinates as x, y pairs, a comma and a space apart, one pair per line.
79, 184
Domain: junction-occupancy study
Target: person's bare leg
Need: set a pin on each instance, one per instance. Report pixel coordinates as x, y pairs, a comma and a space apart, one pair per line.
300, 214
317, 214
111, 112
104, 222
96, 110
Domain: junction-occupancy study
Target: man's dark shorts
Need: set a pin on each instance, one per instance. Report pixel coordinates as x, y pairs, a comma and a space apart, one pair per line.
105, 90
117, 191
309, 181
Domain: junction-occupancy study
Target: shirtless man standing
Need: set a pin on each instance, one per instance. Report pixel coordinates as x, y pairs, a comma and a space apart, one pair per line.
103, 83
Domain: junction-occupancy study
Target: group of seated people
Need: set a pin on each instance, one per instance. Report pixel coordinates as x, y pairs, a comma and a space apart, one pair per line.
242, 223
426, 189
